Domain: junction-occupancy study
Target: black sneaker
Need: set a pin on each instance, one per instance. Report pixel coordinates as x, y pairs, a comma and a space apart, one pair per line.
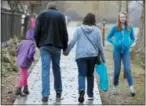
81, 96
58, 95
45, 99
132, 94
25, 90
18, 92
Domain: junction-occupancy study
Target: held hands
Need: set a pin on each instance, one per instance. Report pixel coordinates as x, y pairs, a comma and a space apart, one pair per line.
65, 53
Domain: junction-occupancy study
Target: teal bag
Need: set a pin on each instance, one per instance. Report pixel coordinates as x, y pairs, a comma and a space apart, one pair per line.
101, 70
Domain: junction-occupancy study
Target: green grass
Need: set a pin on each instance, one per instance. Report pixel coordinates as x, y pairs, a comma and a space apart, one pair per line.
9, 57
124, 94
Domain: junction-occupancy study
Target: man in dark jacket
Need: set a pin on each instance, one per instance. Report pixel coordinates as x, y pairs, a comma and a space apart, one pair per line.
51, 36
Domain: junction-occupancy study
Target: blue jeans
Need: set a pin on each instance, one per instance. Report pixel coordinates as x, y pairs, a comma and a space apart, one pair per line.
86, 69
127, 67
48, 54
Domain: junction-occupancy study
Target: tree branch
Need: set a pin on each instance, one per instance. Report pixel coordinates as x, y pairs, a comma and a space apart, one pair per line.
140, 3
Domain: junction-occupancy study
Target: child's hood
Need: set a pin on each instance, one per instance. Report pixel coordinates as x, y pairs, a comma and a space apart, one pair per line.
30, 34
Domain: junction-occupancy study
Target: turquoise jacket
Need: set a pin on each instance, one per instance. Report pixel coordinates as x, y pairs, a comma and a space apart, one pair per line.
122, 39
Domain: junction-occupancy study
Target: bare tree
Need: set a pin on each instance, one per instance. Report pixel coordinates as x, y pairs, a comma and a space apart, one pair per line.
123, 7
62, 5
33, 5
139, 49
95, 7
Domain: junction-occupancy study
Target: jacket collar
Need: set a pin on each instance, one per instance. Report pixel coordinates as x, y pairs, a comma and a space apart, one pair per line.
52, 9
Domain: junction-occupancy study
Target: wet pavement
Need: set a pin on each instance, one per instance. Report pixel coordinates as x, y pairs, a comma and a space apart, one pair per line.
69, 75
69, 82
70, 87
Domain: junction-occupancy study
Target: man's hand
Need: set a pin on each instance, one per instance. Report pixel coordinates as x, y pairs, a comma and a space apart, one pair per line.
65, 53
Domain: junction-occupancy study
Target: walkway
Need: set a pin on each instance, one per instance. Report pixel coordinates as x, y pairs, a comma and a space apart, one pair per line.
69, 80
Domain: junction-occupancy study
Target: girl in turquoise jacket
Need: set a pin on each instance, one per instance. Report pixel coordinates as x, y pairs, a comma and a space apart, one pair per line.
121, 36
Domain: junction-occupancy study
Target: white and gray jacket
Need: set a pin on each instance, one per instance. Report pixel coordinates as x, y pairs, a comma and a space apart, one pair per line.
84, 48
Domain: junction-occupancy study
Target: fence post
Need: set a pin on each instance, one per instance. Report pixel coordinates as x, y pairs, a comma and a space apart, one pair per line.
12, 20
103, 31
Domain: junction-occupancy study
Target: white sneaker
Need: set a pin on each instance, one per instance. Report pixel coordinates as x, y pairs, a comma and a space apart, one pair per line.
132, 91
115, 90
90, 98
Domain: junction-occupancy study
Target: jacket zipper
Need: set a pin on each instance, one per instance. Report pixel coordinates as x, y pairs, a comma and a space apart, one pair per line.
122, 39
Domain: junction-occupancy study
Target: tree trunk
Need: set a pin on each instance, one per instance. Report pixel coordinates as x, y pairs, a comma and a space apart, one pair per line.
120, 6
123, 7
139, 49
32, 8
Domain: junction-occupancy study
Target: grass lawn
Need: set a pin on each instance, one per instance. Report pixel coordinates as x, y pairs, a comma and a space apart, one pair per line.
124, 93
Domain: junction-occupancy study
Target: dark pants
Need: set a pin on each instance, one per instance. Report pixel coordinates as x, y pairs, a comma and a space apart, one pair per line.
86, 69
48, 54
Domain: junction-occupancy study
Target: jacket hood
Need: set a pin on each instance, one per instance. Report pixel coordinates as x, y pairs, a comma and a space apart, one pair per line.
88, 29
32, 22
30, 34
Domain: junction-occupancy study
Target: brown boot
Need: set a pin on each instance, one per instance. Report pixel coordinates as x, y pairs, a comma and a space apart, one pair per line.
25, 90
18, 92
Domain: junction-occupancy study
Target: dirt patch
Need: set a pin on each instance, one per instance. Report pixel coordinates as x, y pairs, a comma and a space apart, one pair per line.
10, 72
124, 92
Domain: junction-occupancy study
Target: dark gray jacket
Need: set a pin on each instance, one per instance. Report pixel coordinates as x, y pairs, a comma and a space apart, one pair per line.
51, 29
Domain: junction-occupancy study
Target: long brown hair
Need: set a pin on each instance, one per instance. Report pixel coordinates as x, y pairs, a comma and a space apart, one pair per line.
119, 26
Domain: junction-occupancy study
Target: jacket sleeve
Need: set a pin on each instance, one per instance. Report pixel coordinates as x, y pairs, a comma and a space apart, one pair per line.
37, 30
31, 53
64, 33
18, 49
72, 43
110, 35
132, 36
100, 47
